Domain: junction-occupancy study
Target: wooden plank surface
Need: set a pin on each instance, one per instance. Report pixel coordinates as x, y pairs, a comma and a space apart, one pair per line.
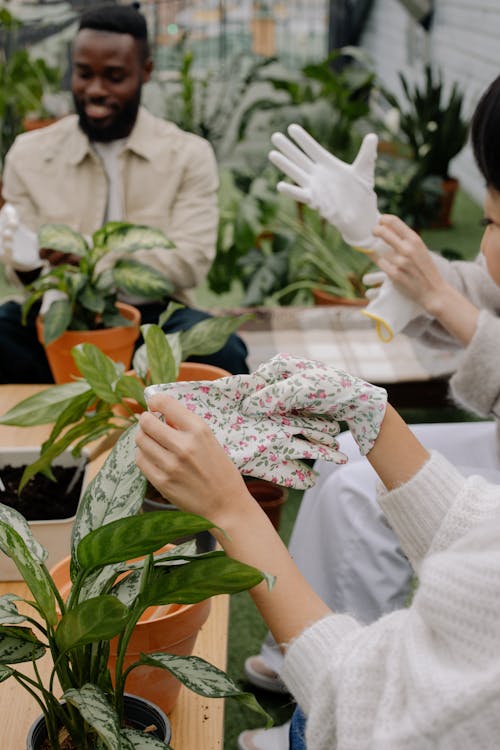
197, 723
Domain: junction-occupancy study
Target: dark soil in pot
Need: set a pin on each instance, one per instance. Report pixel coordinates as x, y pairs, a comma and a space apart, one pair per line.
42, 498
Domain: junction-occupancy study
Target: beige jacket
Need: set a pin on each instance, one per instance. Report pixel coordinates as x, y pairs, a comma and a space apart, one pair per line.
169, 181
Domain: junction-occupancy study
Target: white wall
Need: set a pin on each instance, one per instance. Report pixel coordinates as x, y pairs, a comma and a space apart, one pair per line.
463, 42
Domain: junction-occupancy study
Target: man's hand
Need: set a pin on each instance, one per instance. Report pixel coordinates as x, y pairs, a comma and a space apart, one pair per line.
342, 193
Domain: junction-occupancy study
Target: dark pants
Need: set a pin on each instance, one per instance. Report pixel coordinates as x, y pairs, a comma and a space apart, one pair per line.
23, 360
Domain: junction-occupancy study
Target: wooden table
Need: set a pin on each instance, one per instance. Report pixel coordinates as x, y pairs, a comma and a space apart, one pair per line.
196, 722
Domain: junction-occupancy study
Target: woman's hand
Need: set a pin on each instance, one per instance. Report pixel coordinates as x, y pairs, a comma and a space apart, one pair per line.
181, 457
410, 264
412, 268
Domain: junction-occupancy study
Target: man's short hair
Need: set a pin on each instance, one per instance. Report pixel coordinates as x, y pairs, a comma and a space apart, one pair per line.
119, 19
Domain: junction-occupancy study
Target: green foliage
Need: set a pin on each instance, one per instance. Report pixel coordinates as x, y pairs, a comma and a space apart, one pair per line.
87, 296
404, 191
432, 124
101, 402
107, 533
23, 81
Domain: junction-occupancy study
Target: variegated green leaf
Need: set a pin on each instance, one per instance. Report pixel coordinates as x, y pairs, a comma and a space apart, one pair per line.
56, 320
210, 335
198, 579
140, 280
9, 614
140, 361
99, 581
169, 311
127, 589
127, 238
132, 537
203, 678
44, 407
15, 521
141, 741
27, 560
100, 371
162, 365
63, 238
19, 645
92, 620
5, 672
95, 709
116, 491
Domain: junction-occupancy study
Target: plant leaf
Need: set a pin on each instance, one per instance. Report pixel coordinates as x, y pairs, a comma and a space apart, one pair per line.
5, 672
56, 320
99, 370
19, 645
8, 610
116, 491
163, 367
141, 740
27, 562
17, 522
128, 386
210, 335
63, 238
140, 280
203, 678
124, 237
95, 709
131, 537
100, 618
198, 579
44, 407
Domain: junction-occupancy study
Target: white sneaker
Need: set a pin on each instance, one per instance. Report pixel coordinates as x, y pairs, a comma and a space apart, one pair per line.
260, 675
276, 738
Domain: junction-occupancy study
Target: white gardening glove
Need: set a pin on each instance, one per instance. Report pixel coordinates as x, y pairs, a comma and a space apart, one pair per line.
18, 244
342, 193
390, 308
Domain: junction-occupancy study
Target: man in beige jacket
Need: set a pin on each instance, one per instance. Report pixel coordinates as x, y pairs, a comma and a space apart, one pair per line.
113, 160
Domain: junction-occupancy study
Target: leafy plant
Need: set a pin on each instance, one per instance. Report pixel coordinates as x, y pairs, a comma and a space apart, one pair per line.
432, 124
110, 591
86, 409
318, 258
85, 295
23, 81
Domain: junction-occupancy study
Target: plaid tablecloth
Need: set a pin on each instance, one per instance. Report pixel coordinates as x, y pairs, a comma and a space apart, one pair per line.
344, 338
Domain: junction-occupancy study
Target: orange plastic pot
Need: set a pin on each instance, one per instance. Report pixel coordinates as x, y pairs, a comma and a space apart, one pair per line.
117, 343
172, 628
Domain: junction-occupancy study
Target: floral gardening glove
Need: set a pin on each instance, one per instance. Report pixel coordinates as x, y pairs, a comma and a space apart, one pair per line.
261, 447
315, 394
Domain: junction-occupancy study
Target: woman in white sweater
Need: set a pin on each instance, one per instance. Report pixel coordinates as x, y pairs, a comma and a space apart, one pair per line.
423, 677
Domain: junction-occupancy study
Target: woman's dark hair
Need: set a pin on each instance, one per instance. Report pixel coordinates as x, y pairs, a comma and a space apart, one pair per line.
120, 19
485, 134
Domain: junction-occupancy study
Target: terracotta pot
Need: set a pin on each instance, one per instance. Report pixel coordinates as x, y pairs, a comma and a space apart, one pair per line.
34, 123
450, 188
172, 628
117, 343
325, 298
139, 713
270, 497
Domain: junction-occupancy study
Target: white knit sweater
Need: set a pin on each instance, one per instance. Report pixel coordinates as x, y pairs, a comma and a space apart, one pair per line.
425, 677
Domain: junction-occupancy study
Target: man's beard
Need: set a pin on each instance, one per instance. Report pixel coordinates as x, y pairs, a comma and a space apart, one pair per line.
120, 127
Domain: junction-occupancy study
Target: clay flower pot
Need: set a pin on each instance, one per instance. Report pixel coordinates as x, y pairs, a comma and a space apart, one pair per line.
271, 498
172, 628
117, 342
324, 298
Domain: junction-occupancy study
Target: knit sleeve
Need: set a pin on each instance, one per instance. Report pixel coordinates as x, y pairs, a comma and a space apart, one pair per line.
431, 671
476, 383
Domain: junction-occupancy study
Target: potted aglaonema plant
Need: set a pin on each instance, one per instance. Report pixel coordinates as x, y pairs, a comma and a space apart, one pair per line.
104, 401
81, 297
119, 568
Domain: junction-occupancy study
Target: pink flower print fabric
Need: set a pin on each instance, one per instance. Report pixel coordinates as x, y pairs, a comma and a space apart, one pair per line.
272, 419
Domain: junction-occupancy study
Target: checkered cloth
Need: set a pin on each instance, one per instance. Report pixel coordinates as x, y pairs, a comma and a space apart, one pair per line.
341, 337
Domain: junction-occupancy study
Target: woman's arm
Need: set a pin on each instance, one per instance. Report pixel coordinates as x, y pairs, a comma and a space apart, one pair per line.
184, 461
412, 268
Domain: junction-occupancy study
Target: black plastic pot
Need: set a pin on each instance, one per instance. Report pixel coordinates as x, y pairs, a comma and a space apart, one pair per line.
139, 714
